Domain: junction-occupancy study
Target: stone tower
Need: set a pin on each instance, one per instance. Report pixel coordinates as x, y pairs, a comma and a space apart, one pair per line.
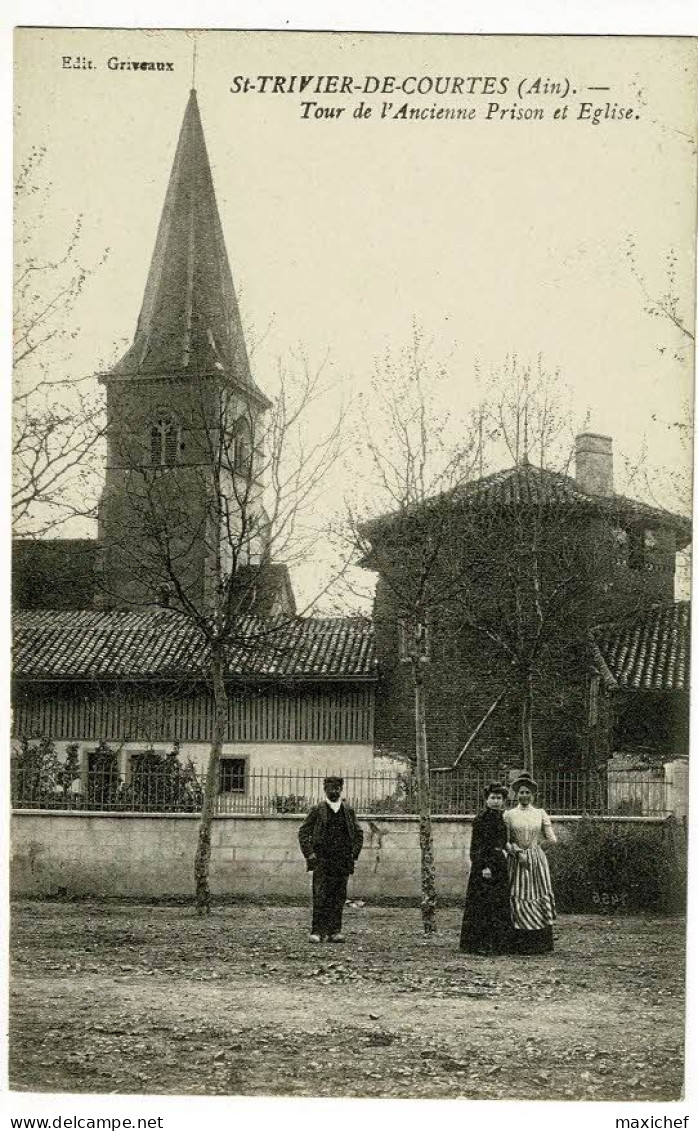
184, 478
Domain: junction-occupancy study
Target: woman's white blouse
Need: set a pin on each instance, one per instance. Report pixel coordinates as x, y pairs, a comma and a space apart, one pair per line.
529, 826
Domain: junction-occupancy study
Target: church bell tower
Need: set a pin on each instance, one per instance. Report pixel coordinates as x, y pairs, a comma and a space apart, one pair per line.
184, 415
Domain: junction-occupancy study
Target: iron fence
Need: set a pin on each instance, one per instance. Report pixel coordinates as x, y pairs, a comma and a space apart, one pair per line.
166, 789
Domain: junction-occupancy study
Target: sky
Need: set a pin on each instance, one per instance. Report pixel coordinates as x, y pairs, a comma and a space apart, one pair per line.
496, 236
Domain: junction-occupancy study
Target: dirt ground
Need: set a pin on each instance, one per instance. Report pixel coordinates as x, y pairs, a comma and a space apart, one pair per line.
135, 998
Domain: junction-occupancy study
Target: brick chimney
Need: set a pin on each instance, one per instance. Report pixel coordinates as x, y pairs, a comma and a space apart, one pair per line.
594, 463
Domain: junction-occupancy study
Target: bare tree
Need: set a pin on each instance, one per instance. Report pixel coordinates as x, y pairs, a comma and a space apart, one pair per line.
58, 420
201, 516
520, 573
415, 467
667, 304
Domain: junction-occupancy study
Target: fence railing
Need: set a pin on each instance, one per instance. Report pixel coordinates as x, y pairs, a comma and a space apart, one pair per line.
269, 792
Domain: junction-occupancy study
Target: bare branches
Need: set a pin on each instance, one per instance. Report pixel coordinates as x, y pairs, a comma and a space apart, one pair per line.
666, 487
56, 453
58, 421
242, 499
664, 305
525, 413
412, 443
496, 566
417, 464
299, 452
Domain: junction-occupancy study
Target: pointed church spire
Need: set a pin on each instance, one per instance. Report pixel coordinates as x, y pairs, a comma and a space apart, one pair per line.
189, 324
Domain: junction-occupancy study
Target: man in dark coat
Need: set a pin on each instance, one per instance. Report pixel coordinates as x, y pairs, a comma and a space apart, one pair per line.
330, 840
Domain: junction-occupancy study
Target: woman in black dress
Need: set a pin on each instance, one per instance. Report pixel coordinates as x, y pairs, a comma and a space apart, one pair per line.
487, 925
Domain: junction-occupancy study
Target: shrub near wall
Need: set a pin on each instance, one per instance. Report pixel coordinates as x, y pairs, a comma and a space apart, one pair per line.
612, 868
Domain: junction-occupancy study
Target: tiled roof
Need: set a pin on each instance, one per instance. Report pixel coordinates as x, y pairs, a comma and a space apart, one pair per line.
650, 652
526, 484
164, 644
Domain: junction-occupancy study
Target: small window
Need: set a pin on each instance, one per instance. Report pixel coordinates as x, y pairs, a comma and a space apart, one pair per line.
232, 775
165, 442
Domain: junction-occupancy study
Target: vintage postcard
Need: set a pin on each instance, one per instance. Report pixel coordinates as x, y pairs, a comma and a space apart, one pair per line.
352, 444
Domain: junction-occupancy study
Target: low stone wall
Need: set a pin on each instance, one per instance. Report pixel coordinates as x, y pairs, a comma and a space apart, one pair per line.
151, 856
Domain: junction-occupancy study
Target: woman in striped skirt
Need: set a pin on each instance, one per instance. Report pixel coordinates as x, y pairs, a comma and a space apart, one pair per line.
531, 892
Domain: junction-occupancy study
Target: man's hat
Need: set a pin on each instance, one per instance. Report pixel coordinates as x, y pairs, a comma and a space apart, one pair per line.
333, 778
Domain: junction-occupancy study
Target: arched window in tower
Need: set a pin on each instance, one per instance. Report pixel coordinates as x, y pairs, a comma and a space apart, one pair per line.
242, 455
165, 442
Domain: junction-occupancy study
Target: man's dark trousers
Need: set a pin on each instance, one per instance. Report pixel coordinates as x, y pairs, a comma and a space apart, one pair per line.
329, 894
331, 842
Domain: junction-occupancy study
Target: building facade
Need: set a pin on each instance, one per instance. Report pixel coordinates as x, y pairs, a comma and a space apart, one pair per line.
529, 564
116, 690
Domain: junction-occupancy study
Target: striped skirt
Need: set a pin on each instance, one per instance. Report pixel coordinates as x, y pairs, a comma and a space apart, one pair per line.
531, 892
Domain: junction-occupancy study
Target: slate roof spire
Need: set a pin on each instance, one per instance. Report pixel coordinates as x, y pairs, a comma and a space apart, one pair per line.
189, 324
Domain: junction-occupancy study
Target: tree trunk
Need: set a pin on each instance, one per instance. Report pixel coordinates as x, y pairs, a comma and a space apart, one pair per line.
428, 902
202, 859
527, 725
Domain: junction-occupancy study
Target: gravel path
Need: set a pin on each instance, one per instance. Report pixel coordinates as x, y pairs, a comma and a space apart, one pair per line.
125, 998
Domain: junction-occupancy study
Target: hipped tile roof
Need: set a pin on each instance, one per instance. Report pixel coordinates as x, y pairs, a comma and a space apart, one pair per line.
164, 644
527, 485
648, 653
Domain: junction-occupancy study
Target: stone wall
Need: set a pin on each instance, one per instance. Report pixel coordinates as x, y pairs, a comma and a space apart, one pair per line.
151, 856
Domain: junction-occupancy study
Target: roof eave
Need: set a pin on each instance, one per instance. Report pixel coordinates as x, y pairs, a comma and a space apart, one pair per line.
195, 677
252, 391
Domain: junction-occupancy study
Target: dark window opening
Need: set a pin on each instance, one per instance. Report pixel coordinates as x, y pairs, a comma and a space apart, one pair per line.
232, 775
170, 447
620, 541
640, 541
165, 443
103, 780
636, 549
